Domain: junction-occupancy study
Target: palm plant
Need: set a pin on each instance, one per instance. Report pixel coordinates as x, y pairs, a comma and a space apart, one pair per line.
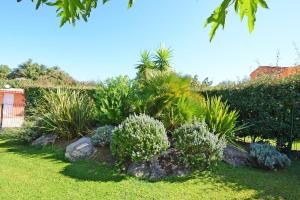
169, 97
144, 65
162, 58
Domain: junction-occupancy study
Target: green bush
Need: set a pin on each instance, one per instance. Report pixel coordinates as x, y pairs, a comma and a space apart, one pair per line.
102, 136
220, 119
169, 97
270, 107
199, 148
111, 99
268, 157
26, 134
67, 113
138, 138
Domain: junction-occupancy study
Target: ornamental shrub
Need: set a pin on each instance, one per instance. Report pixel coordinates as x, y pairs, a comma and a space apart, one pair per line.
26, 134
102, 136
111, 98
200, 148
138, 138
67, 113
268, 157
169, 97
220, 119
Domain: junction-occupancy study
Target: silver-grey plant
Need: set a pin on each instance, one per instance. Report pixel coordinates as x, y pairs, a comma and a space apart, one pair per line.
268, 157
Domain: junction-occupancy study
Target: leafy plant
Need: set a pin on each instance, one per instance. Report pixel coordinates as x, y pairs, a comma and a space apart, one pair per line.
244, 8
102, 136
169, 97
138, 138
220, 119
26, 134
68, 113
111, 99
268, 157
200, 148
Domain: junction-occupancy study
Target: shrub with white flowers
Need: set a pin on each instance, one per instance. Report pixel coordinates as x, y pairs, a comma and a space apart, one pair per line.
138, 138
102, 136
268, 157
199, 148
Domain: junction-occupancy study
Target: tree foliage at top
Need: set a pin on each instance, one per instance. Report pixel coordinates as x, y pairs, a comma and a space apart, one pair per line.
73, 10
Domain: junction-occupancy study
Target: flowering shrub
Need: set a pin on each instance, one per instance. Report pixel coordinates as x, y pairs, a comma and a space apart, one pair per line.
268, 157
200, 148
138, 138
102, 136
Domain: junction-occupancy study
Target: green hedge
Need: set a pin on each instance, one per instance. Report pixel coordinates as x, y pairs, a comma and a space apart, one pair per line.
270, 107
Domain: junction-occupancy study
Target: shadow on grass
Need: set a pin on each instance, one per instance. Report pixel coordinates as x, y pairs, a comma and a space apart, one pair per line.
283, 184
87, 170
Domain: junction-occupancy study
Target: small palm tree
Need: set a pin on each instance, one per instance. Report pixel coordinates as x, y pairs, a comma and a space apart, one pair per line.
145, 65
162, 59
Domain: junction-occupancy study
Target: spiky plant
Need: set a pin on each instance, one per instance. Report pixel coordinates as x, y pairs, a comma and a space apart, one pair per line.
162, 58
65, 112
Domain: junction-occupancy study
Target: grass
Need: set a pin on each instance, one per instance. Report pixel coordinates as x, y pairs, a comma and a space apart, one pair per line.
42, 173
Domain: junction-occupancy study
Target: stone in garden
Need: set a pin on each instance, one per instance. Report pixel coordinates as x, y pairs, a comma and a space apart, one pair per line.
166, 164
156, 170
139, 170
45, 140
80, 150
236, 157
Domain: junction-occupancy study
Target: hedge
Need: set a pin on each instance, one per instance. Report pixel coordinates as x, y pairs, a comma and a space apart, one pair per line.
271, 107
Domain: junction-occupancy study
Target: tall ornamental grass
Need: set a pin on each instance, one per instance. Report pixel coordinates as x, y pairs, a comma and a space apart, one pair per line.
65, 112
221, 119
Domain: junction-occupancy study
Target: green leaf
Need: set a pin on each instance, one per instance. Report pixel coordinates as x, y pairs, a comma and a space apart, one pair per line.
130, 3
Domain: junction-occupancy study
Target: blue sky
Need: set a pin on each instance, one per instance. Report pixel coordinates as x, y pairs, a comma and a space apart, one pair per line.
110, 42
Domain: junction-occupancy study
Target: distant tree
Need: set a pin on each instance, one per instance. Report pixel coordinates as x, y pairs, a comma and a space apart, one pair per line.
28, 70
4, 71
73, 10
41, 74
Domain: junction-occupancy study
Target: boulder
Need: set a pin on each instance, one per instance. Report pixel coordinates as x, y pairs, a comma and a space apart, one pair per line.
140, 170
161, 166
80, 150
237, 157
156, 169
45, 140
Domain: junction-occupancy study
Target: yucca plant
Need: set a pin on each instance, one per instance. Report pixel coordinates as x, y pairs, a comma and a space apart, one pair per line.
66, 112
220, 119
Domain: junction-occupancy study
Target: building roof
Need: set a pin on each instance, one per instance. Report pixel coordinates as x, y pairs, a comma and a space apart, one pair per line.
279, 72
12, 90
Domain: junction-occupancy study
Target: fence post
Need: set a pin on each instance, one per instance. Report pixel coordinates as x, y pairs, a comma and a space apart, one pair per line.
2, 105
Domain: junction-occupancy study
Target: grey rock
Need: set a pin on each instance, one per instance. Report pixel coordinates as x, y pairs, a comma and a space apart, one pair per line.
181, 171
140, 170
236, 157
159, 167
45, 140
80, 150
156, 170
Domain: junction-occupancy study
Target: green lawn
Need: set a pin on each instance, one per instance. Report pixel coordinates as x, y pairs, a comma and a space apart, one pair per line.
31, 173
